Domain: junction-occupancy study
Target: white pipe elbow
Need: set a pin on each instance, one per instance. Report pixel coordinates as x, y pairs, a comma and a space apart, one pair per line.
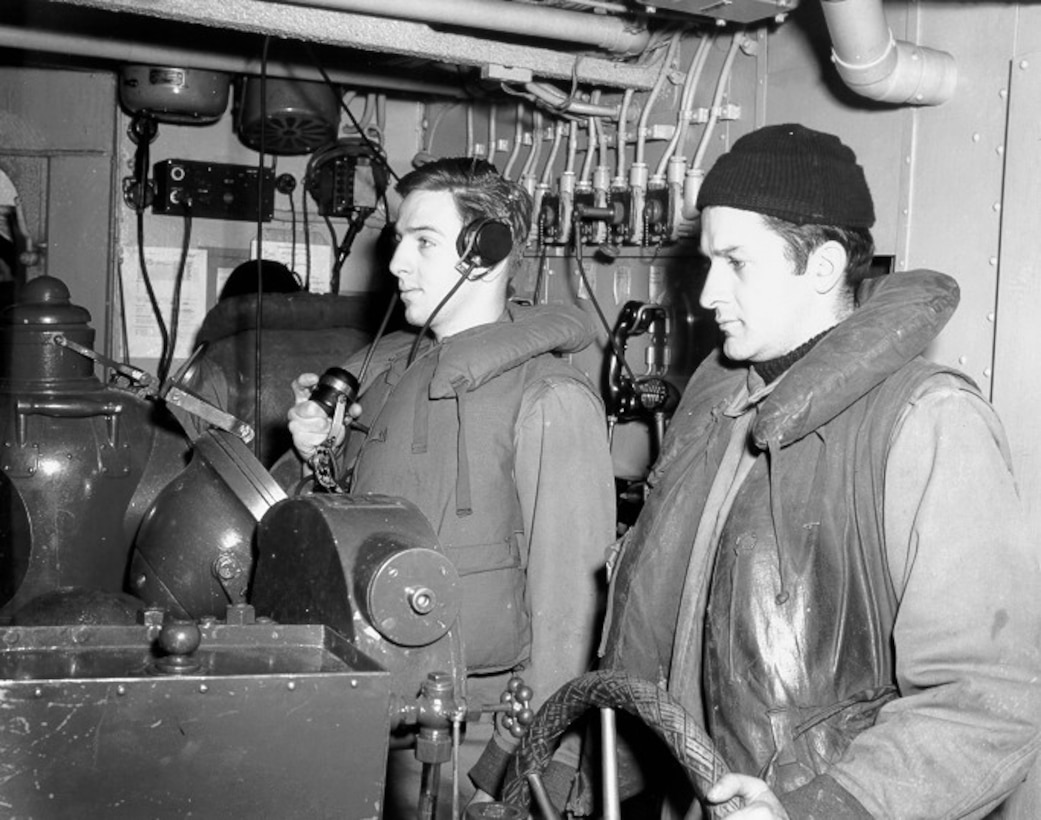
905, 74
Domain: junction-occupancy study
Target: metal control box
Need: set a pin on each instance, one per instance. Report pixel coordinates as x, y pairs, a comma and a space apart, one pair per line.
213, 190
261, 720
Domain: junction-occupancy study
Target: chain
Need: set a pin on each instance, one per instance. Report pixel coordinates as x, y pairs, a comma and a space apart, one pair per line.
323, 461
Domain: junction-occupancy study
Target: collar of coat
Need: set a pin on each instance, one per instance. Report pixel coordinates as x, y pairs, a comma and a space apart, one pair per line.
899, 315
471, 358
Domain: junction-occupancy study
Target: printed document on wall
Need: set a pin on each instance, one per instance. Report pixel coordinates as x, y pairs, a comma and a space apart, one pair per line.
162, 266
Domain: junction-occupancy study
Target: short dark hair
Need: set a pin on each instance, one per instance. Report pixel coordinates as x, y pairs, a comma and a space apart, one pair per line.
802, 240
480, 192
274, 278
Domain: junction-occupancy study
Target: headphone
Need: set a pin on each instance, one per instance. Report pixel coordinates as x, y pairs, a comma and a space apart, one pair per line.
483, 243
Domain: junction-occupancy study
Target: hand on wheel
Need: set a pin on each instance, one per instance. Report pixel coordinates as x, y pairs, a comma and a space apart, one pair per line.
759, 802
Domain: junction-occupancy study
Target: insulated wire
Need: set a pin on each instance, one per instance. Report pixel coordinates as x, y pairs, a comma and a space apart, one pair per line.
518, 138
426, 325
175, 316
641, 137
292, 232
587, 164
366, 114
493, 111
717, 100
124, 336
623, 114
536, 145
428, 142
572, 146
258, 335
149, 289
602, 138
596, 305
307, 244
379, 335
690, 84
558, 132
377, 150
469, 129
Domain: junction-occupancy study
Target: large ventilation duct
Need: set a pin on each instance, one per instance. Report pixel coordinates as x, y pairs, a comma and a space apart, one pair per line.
876, 65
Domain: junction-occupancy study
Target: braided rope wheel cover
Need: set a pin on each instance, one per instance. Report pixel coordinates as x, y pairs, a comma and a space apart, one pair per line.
618, 690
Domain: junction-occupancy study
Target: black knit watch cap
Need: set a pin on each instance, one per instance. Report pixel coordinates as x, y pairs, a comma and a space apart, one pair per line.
794, 173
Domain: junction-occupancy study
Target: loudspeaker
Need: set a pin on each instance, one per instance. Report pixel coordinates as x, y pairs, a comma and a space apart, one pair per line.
299, 115
484, 243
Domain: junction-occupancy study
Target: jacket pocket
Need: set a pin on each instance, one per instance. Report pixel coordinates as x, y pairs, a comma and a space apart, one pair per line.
808, 741
495, 624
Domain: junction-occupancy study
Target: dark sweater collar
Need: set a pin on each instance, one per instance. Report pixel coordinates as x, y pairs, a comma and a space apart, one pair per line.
769, 371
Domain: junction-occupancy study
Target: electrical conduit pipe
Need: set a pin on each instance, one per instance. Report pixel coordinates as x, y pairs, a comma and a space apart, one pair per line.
876, 65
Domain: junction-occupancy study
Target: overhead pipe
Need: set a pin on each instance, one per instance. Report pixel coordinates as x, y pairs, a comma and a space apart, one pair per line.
603, 31
878, 66
125, 51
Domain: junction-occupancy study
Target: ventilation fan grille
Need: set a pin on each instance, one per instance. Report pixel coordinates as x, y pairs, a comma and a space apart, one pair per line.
297, 117
288, 133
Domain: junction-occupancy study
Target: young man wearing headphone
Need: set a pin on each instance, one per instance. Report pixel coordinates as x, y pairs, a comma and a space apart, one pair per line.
497, 439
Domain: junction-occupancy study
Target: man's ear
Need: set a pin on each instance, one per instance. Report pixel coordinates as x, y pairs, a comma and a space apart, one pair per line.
827, 266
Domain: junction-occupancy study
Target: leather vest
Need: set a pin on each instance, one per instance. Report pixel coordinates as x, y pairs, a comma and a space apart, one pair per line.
797, 649
791, 637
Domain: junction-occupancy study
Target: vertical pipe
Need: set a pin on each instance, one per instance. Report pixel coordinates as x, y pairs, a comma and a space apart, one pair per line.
493, 113
717, 100
609, 764
518, 138
652, 97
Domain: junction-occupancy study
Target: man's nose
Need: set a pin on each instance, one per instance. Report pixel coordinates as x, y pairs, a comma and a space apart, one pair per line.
711, 292
399, 262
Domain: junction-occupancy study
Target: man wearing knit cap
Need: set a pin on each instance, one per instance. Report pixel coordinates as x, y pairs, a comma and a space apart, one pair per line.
831, 569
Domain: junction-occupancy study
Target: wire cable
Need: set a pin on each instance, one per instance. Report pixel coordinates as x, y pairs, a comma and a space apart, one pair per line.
622, 139
164, 336
463, 278
258, 324
652, 97
690, 84
596, 306
379, 335
717, 99
377, 150
175, 316
518, 138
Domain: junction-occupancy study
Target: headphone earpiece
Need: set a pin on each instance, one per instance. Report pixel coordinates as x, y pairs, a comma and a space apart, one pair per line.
484, 243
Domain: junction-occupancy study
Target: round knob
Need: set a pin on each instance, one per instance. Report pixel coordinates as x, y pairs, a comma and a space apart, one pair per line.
180, 637
422, 600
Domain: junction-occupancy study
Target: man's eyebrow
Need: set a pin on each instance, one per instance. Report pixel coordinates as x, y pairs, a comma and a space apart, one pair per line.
728, 251
420, 228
